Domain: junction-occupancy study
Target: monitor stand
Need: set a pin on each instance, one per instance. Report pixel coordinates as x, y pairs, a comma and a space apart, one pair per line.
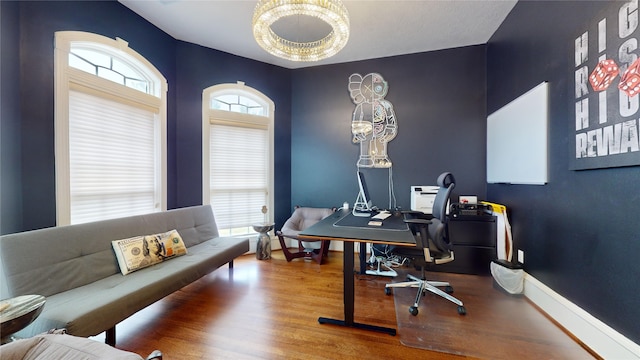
361, 207
361, 213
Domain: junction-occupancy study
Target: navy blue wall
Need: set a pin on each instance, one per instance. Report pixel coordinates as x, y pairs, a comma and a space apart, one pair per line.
10, 154
580, 232
441, 127
28, 171
38, 21
199, 68
577, 231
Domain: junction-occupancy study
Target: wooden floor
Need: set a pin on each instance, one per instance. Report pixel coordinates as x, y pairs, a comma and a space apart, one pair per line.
268, 310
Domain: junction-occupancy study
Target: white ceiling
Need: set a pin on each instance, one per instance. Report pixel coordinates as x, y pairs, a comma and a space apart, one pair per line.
379, 28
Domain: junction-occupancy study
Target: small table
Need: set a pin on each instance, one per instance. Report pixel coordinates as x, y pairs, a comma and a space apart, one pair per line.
18, 312
263, 248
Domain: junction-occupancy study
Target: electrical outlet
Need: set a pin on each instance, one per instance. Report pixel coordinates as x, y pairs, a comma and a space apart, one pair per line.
521, 256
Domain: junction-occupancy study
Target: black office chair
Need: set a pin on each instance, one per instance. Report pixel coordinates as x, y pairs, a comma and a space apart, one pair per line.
433, 246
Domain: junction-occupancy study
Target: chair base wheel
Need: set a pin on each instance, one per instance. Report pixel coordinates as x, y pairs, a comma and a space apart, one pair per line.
387, 291
448, 290
413, 310
462, 310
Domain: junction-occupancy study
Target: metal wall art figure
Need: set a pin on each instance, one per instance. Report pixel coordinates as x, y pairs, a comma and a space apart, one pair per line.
374, 121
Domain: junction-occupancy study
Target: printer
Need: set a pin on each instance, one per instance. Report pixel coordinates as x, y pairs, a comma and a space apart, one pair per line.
422, 198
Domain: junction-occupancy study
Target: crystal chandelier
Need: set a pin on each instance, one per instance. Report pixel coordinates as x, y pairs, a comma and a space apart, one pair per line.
332, 12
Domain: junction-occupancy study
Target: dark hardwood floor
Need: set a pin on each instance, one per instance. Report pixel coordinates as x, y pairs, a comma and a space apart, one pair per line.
269, 310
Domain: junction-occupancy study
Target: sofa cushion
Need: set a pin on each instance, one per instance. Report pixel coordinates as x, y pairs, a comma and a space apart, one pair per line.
139, 252
91, 309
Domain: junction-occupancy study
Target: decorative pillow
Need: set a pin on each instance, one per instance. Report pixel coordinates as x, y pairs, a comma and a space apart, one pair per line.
141, 251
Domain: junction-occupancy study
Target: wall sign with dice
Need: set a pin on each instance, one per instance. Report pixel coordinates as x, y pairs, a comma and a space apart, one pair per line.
606, 105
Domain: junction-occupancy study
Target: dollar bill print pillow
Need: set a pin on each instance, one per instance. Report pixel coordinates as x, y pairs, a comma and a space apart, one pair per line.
139, 252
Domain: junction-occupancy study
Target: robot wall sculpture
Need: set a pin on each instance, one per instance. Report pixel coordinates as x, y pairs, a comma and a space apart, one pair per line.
374, 121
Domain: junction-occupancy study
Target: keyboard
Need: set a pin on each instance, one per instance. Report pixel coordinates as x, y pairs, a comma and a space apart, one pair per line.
381, 215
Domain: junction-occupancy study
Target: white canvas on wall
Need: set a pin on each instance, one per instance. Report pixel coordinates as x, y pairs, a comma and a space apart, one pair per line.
517, 140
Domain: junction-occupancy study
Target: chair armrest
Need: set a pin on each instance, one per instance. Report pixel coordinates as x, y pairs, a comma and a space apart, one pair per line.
281, 236
412, 212
418, 221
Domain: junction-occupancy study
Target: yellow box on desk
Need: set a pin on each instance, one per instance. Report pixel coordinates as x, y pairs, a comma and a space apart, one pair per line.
495, 207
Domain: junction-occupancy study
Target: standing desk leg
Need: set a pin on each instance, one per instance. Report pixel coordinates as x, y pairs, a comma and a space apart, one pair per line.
349, 298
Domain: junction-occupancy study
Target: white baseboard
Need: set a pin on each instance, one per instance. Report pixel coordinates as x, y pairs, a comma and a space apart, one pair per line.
598, 336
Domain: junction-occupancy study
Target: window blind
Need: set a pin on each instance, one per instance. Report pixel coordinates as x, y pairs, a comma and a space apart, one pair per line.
113, 158
238, 173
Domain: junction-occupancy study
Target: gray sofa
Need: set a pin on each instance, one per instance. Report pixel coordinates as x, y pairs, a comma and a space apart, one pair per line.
76, 269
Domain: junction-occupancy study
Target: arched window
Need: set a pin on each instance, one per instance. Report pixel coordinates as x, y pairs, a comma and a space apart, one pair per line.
237, 156
110, 125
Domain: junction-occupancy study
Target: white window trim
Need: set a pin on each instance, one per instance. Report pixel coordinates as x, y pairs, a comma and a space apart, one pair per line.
66, 78
208, 114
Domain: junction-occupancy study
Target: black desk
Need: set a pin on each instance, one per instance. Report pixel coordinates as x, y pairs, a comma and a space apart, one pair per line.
385, 234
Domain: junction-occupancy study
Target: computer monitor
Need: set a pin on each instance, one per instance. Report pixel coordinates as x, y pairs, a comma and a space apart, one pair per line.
363, 205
